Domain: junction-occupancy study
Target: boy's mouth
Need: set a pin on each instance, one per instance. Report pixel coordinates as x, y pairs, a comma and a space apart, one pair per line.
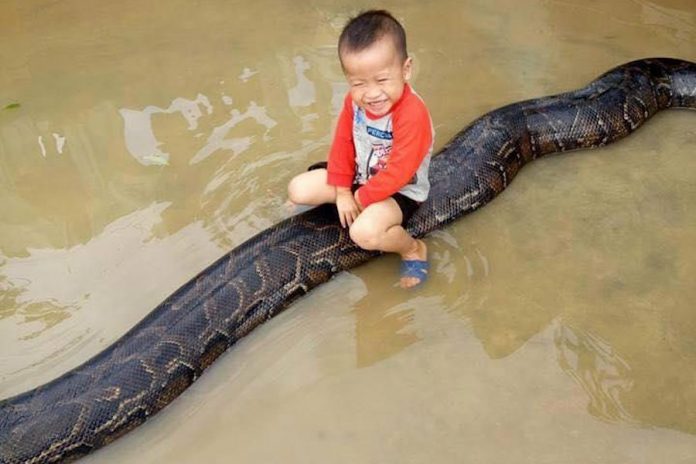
376, 106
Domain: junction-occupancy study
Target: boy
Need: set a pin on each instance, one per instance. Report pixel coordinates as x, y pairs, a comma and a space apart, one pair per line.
377, 172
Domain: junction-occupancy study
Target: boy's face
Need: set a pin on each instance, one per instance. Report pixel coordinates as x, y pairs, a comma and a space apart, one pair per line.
376, 76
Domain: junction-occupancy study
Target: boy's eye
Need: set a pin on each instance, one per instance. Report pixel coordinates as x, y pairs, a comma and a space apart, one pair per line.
382, 80
357, 84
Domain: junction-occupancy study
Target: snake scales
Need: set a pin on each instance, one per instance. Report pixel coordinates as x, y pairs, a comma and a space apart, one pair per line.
143, 371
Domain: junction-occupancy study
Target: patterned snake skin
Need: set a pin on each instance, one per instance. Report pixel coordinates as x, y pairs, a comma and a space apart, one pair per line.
118, 389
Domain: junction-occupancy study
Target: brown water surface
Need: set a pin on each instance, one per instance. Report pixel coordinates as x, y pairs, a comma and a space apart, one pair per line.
140, 140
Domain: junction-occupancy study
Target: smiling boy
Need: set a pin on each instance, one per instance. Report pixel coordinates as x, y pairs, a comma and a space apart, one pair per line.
377, 173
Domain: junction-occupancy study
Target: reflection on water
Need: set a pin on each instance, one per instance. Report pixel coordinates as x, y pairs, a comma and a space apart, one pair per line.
218, 141
556, 320
140, 139
601, 372
56, 301
304, 93
59, 144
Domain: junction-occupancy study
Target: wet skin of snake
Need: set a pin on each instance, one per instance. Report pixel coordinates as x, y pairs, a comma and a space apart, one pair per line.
143, 371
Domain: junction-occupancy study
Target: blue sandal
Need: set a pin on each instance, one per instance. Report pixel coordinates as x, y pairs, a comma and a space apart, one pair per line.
415, 268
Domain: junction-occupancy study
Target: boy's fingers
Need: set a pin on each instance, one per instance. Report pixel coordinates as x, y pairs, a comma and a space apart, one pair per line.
348, 216
351, 218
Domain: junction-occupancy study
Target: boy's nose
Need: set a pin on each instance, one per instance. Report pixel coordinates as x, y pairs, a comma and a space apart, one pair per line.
372, 91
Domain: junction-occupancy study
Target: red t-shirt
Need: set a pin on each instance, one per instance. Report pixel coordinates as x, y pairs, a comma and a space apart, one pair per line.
385, 154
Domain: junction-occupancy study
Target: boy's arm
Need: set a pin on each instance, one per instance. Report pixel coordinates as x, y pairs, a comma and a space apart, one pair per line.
413, 138
341, 163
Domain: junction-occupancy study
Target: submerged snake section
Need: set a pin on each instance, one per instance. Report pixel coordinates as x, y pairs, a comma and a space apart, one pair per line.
146, 369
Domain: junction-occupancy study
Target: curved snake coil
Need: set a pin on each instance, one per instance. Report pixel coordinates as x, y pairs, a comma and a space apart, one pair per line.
143, 371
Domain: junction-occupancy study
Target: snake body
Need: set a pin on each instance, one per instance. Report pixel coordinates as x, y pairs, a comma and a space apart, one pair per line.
143, 371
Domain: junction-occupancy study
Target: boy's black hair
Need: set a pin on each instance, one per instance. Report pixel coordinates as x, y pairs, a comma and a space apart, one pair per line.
368, 27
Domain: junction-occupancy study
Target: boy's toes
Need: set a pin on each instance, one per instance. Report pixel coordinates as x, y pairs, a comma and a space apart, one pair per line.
292, 208
408, 282
413, 272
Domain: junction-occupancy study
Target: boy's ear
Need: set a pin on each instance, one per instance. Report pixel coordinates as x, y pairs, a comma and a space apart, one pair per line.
407, 68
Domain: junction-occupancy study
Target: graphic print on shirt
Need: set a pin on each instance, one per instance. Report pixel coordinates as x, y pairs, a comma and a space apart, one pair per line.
373, 140
377, 160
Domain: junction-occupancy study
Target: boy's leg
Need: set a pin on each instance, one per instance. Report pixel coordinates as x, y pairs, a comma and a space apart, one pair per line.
310, 188
378, 227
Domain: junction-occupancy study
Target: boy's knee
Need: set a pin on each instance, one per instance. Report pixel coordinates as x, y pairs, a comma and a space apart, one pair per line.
364, 236
295, 191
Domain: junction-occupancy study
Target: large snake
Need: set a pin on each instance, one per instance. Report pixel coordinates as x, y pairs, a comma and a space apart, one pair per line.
144, 370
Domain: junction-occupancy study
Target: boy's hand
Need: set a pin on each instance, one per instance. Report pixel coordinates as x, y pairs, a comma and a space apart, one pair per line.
346, 205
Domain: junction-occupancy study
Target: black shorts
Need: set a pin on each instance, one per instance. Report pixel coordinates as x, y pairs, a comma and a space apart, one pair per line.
407, 205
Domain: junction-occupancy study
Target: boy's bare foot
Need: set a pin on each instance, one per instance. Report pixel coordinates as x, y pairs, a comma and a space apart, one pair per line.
290, 207
414, 265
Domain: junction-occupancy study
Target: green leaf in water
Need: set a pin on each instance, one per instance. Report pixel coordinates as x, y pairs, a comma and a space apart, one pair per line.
12, 106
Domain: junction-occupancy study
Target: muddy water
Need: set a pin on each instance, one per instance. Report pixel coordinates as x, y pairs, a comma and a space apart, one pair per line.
139, 142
